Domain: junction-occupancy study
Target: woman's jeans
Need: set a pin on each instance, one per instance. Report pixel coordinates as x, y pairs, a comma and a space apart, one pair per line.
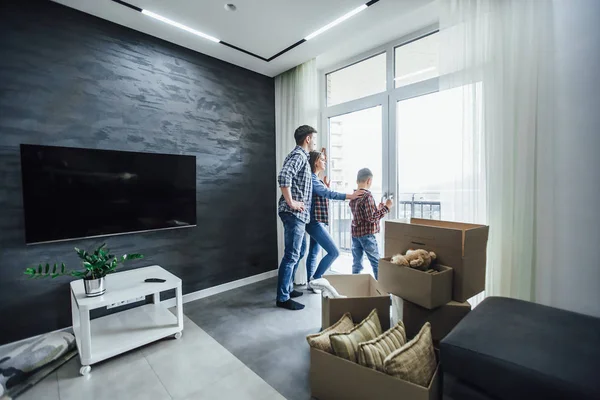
319, 238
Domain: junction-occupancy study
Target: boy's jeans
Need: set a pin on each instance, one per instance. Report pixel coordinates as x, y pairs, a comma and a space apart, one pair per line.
295, 247
361, 245
319, 237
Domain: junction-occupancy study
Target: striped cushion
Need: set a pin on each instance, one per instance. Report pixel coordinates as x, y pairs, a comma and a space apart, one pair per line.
321, 340
415, 362
372, 353
345, 345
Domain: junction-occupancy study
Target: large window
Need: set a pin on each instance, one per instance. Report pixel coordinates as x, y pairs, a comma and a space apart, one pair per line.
385, 111
358, 80
416, 61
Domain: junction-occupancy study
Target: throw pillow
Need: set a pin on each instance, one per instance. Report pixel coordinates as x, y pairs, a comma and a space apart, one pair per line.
321, 340
345, 345
415, 361
371, 354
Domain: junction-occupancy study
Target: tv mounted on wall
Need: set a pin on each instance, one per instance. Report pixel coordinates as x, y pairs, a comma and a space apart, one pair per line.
72, 193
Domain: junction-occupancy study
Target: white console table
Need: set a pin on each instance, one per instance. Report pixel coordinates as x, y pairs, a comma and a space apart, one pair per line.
106, 337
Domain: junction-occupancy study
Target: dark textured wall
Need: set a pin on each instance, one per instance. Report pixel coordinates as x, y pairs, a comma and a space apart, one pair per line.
70, 79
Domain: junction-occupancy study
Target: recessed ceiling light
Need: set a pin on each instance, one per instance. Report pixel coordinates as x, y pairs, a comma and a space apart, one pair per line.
230, 7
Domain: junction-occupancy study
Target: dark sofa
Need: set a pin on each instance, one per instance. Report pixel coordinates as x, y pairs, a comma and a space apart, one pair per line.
508, 349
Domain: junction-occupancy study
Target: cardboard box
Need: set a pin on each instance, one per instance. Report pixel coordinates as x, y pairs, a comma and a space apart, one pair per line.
364, 294
443, 319
334, 378
459, 246
425, 289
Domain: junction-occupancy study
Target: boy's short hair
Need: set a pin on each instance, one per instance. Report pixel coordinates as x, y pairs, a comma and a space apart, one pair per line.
302, 132
364, 175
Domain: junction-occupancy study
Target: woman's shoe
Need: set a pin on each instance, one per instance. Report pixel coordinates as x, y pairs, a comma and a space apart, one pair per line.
326, 289
312, 289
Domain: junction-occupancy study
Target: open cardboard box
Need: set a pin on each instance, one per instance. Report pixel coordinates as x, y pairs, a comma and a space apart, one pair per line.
443, 319
334, 378
422, 288
363, 293
457, 245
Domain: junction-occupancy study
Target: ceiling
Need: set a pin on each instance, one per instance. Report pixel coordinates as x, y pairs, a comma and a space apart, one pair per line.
262, 27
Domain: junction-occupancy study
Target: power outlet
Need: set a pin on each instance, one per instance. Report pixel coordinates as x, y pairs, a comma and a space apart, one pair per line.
125, 302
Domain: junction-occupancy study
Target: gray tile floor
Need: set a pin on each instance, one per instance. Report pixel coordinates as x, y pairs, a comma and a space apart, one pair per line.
193, 367
269, 340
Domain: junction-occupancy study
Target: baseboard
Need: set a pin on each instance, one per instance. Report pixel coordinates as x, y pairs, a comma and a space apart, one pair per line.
200, 294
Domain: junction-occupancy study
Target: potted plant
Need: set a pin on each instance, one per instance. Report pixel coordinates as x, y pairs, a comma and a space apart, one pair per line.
97, 265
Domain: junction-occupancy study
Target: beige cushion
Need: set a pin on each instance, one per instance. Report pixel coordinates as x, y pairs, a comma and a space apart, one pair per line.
345, 345
372, 353
321, 340
415, 361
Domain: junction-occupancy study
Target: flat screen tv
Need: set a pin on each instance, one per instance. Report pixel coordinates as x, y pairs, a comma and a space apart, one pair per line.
71, 193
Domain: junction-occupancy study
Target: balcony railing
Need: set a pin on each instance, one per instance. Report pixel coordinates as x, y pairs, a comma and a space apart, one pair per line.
341, 217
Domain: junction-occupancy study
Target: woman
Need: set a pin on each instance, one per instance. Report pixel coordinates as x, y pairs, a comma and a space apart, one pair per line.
319, 219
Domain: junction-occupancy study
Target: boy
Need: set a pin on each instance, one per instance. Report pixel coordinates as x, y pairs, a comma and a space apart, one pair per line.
295, 181
365, 224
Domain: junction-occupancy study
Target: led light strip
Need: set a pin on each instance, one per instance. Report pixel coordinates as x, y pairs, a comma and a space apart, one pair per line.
180, 26
215, 40
336, 22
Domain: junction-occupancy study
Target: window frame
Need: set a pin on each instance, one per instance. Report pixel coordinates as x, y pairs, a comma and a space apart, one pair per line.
387, 99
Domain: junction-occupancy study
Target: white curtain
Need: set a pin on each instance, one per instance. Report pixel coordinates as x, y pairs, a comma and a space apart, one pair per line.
495, 55
296, 103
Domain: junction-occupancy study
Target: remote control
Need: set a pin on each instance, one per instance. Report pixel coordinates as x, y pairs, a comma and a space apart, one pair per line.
158, 280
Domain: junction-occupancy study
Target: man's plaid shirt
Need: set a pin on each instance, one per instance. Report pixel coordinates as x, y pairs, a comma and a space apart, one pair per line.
366, 215
296, 175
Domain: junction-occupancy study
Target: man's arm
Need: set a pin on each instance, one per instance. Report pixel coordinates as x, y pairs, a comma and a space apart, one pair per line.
294, 205
290, 169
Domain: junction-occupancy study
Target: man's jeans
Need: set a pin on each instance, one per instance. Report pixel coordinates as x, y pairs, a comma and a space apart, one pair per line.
319, 237
295, 247
361, 245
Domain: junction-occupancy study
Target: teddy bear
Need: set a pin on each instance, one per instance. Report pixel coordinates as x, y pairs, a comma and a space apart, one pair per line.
418, 259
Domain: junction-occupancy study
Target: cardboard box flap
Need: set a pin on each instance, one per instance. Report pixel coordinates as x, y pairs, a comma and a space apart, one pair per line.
352, 285
445, 224
444, 237
376, 289
476, 240
402, 237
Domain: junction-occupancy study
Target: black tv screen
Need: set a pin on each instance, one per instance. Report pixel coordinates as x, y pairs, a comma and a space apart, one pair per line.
71, 193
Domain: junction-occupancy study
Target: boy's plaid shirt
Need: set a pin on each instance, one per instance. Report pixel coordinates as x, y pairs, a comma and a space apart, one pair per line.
366, 215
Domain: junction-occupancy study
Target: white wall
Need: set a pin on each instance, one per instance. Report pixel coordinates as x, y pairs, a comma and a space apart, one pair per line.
570, 279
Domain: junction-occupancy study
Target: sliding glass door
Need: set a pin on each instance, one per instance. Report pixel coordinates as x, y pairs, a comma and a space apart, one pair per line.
355, 142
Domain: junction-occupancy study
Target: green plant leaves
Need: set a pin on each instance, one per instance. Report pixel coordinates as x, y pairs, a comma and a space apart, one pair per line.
79, 274
96, 265
45, 271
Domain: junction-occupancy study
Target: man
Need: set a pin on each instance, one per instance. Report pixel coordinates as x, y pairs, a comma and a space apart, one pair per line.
295, 182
